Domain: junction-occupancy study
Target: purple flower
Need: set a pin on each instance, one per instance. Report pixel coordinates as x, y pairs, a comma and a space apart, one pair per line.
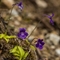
40, 43
50, 17
20, 5
22, 34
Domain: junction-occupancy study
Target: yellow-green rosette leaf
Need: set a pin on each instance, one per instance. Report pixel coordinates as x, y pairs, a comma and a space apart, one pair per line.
1, 35
32, 47
25, 55
27, 41
16, 54
10, 37
7, 40
21, 51
13, 50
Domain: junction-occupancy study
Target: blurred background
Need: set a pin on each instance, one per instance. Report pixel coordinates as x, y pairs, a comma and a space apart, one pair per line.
31, 15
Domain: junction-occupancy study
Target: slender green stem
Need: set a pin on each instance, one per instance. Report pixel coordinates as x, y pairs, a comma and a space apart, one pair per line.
10, 13
32, 31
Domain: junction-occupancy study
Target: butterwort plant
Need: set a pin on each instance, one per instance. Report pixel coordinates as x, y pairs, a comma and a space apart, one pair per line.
51, 18
20, 5
40, 43
18, 51
22, 34
6, 37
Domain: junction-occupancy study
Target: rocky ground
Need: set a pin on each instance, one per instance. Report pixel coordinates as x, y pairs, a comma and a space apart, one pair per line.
32, 15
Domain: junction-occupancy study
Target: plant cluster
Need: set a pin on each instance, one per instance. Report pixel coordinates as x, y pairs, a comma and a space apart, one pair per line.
18, 51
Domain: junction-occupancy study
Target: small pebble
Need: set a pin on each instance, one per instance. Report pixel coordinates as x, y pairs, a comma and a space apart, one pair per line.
16, 22
58, 51
41, 3
54, 38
